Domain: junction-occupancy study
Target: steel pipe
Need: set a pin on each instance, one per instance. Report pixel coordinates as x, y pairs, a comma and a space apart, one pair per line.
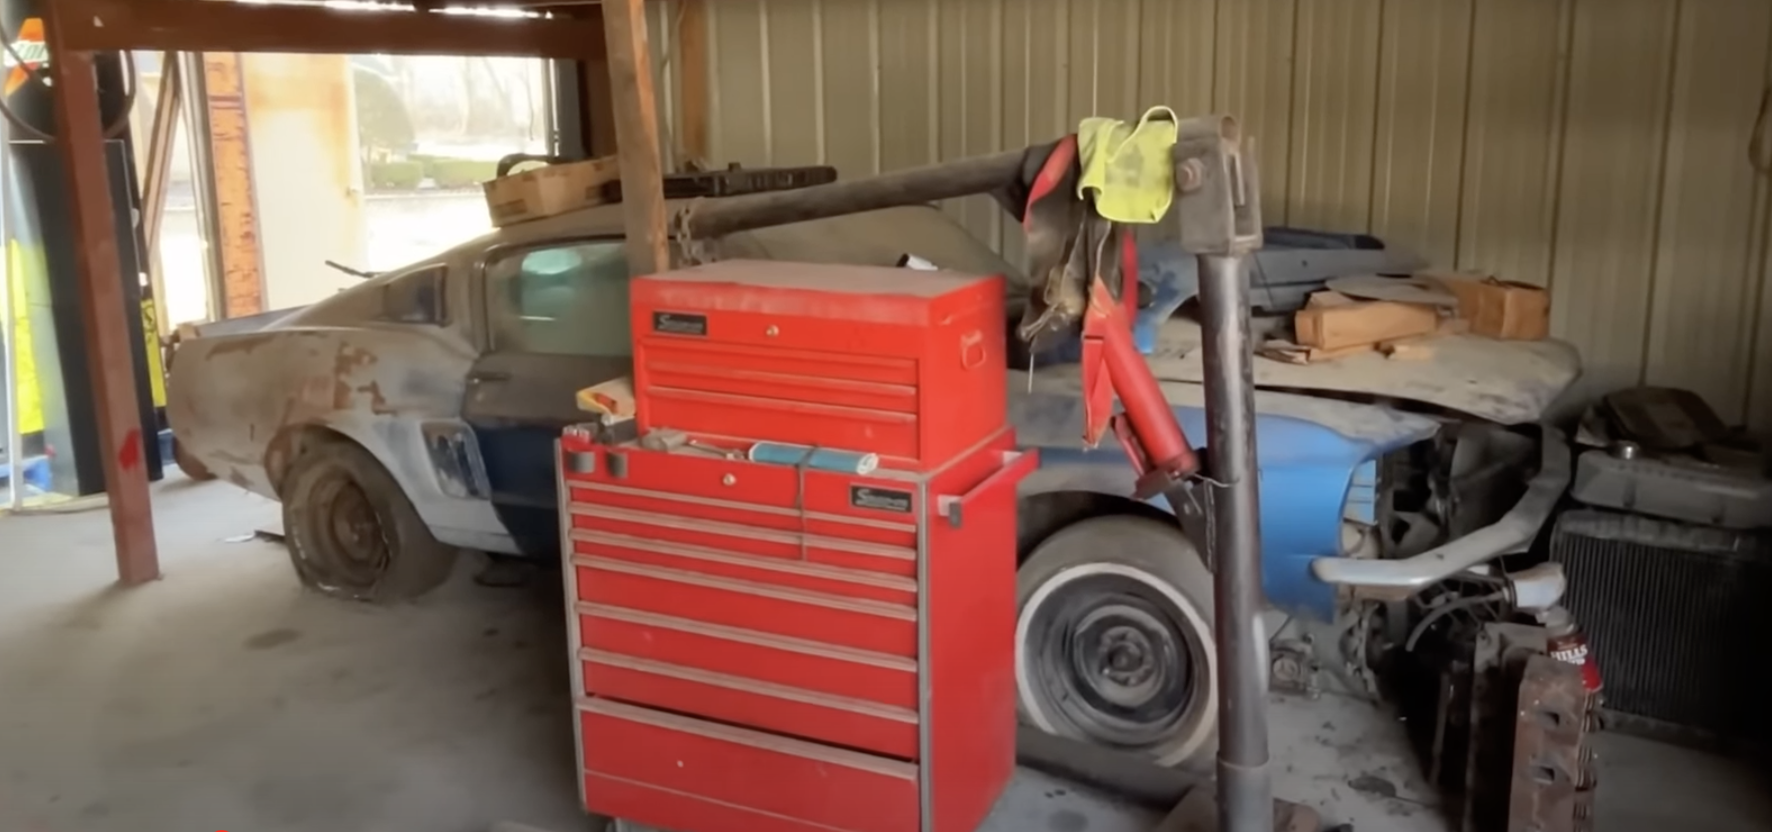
1245, 789
931, 183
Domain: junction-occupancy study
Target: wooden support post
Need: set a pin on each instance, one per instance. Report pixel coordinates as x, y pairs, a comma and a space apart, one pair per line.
99, 276
692, 80
636, 136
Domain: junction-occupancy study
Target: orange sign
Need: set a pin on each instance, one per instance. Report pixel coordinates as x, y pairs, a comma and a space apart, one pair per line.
31, 52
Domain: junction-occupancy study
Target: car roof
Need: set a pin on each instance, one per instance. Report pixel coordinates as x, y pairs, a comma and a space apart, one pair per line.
867, 238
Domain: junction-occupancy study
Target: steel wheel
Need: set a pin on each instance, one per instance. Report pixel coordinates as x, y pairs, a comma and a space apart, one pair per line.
1114, 639
347, 531
352, 533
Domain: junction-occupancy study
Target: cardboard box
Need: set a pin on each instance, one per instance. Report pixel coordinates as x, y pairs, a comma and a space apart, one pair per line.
1336, 326
1498, 308
549, 191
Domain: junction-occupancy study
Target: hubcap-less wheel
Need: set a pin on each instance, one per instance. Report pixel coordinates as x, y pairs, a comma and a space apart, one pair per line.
1110, 653
352, 533
349, 541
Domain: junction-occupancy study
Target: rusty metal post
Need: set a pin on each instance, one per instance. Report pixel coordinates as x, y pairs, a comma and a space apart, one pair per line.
81, 142
1219, 209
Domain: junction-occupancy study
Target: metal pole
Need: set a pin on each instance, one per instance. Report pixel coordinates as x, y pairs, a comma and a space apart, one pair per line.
157, 171
945, 180
195, 93
9, 328
1245, 789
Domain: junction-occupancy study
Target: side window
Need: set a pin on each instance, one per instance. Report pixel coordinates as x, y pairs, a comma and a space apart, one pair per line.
416, 298
561, 300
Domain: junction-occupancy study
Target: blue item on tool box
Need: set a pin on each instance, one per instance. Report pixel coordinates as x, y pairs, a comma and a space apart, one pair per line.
823, 459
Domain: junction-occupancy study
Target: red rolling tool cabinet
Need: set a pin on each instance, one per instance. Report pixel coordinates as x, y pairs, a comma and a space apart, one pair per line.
780, 647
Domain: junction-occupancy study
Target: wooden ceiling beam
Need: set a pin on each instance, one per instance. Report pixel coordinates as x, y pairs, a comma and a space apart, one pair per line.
211, 26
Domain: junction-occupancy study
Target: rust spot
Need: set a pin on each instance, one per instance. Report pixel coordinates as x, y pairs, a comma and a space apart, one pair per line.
378, 404
278, 455
344, 364
350, 358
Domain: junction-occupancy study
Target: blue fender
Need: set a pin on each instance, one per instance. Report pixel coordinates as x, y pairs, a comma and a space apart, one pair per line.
1312, 476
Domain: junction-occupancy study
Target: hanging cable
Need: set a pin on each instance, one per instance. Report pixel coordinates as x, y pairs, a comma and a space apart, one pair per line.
41, 76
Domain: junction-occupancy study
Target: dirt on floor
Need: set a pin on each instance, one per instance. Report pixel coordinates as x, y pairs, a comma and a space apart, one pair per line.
224, 697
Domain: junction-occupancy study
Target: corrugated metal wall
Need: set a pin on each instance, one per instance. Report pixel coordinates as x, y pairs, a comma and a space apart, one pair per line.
1599, 147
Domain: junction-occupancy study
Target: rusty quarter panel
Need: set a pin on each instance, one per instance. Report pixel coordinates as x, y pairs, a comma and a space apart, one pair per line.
239, 402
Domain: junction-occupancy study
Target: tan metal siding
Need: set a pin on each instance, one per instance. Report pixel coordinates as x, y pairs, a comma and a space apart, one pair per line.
1597, 147
1712, 218
1418, 159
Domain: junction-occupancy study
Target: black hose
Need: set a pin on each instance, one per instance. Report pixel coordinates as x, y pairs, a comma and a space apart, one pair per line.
41, 76
1446, 609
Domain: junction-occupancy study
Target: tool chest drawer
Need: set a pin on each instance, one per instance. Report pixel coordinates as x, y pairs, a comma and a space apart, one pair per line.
837, 547
902, 363
700, 771
692, 475
800, 663
737, 700
787, 572
861, 625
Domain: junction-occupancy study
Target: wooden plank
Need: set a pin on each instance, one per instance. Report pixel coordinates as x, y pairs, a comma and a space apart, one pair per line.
692, 79
1334, 327
190, 26
103, 309
636, 136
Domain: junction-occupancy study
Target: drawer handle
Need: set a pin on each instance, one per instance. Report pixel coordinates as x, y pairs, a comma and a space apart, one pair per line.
1016, 465
972, 350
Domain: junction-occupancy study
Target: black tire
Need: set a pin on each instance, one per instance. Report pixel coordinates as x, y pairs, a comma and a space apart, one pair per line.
1096, 592
351, 531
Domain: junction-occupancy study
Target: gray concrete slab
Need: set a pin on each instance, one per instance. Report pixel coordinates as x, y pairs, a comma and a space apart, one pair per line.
223, 697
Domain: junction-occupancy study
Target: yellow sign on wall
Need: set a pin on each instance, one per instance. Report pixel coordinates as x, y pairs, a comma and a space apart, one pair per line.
26, 389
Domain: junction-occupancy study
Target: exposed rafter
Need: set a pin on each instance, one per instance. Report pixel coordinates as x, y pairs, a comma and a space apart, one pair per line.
226, 26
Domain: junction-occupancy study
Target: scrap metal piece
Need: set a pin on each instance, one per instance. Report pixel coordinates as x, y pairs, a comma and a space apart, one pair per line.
1553, 774
1502, 652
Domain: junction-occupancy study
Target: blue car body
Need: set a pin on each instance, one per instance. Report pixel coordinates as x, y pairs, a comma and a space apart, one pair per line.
1313, 476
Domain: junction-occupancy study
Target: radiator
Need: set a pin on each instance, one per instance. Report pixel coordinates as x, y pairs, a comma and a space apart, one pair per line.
1679, 618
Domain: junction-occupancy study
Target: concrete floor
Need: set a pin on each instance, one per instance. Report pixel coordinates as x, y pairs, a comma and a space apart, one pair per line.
226, 698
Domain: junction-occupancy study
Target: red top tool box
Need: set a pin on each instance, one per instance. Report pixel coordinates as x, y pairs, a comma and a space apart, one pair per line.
768, 647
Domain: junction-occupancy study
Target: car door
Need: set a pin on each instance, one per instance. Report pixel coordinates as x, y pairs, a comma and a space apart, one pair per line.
555, 321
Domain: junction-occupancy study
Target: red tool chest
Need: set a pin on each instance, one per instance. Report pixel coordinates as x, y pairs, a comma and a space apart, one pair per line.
780, 648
